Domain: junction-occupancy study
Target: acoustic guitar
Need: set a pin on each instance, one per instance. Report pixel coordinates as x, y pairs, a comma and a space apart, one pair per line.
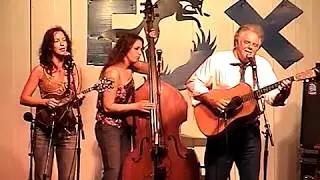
63, 111
242, 106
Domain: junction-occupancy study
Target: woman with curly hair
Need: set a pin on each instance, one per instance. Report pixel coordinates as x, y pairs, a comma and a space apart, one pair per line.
58, 79
111, 129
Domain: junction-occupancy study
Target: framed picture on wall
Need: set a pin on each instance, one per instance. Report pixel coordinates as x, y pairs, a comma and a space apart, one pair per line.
99, 22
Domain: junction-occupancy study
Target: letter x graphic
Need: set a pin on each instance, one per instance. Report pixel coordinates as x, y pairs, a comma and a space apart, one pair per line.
274, 43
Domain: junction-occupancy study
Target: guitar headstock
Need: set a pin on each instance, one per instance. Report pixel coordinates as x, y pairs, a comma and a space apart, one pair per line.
103, 84
308, 74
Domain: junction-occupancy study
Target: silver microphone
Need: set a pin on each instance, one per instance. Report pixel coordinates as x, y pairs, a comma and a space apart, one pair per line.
159, 59
159, 54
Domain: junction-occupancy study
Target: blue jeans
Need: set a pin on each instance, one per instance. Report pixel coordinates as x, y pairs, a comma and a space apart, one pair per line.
63, 144
114, 144
242, 146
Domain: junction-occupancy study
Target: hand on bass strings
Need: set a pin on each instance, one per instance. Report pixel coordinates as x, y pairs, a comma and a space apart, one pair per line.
144, 106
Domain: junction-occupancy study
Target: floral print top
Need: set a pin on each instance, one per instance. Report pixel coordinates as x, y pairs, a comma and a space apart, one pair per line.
124, 95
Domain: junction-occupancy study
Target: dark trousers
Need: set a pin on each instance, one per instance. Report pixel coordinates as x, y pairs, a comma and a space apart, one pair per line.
114, 144
64, 144
242, 146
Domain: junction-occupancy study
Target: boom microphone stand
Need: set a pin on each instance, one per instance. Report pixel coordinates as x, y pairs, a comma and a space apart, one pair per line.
80, 133
76, 106
267, 133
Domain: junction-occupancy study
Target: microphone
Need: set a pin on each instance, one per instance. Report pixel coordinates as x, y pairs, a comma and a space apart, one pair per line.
251, 59
68, 57
159, 59
28, 116
68, 60
253, 63
159, 54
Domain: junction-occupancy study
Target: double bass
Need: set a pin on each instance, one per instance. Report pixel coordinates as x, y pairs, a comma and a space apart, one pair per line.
158, 153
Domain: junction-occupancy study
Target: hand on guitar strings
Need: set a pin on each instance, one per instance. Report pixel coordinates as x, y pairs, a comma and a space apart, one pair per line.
52, 103
219, 104
222, 104
285, 89
80, 96
285, 85
78, 100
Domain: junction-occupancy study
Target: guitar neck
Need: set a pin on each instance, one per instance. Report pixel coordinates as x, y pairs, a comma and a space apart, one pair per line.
85, 91
256, 94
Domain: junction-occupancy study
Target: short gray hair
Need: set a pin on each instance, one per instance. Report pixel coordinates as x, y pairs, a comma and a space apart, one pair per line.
256, 28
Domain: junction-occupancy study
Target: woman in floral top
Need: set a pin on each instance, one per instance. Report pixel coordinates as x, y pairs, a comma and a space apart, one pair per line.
113, 104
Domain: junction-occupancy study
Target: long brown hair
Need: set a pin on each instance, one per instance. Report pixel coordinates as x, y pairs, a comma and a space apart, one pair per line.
121, 49
45, 51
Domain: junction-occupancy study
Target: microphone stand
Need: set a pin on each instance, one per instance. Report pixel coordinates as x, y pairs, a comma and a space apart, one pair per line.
76, 105
32, 144
80, 133
267, 133
45, 175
